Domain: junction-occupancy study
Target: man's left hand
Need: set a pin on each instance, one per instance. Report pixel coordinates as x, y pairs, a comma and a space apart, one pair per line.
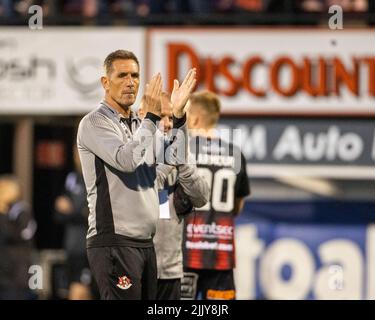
180, 93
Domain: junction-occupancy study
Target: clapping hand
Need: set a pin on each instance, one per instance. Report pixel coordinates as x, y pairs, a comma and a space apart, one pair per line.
180, 93
152, 95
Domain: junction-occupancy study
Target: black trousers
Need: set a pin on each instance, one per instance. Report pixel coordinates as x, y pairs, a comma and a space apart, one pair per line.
124, 273
169, 289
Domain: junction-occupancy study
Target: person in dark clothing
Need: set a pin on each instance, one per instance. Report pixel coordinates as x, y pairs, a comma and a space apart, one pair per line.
71, 210
17, 229
208, 244
181, 192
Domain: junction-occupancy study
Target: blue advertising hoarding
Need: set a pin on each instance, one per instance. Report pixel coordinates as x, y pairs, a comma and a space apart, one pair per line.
303, 250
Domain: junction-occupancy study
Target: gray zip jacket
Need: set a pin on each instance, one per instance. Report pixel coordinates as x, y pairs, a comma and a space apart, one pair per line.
121, 177
168, 237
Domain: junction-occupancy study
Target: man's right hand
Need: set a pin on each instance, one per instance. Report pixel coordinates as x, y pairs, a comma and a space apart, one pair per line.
152, 95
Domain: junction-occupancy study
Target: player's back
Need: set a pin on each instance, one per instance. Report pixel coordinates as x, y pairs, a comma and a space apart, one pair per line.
209, 230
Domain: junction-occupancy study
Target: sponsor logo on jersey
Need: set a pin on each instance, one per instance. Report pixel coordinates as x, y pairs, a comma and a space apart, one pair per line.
209, 229
205, 245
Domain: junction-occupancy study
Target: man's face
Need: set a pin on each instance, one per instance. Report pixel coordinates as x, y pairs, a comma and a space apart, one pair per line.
166, 121
123, 82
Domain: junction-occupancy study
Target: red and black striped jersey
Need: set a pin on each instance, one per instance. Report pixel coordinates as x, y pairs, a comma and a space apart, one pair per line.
209, 230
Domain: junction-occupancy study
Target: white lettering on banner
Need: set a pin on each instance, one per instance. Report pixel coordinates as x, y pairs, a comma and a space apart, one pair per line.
350, 147
254, 142
248, 249
315, 147
289, 144
342, 275
251, 141
346, 254
287, 252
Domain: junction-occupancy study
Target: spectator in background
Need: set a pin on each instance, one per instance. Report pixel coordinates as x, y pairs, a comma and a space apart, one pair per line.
313, 5
279, 6
17, 229
249, 5
72, 211
350, 5
110, 7
323, 5
210, 6
6, 8
202, 6
146, 7
21, 7
90, 8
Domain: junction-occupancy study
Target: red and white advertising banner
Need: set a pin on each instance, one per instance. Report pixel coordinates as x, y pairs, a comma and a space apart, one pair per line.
273, 71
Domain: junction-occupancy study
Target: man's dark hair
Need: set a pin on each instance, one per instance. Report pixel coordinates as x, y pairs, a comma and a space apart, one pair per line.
118, 55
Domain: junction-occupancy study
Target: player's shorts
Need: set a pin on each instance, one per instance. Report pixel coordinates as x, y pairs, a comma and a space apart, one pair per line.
124, 273
169, 289
213, 284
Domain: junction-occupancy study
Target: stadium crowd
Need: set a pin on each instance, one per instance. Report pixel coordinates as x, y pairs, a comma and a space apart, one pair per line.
125, 11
